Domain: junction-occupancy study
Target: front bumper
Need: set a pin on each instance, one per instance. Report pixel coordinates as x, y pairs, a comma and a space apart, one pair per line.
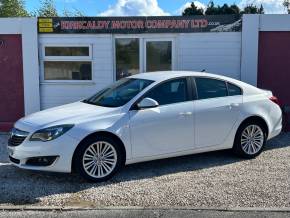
62, 148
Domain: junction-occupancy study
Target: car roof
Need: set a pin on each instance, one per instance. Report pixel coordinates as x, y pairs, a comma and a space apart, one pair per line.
164, 75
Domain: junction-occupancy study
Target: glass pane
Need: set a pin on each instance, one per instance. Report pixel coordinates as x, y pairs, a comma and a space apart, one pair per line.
119, 93
127, 57
170, 92
67, 70
158, 56
234, 90
67, 51
210, 88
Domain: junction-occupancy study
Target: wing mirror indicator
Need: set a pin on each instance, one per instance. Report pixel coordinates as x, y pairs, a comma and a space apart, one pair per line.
147, 103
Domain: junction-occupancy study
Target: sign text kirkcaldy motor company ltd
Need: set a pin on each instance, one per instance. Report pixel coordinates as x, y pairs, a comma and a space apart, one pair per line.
129, 25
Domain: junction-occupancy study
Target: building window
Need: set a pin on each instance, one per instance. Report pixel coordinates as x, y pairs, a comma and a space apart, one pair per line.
127, 57
67, 51
67, 63
158, 55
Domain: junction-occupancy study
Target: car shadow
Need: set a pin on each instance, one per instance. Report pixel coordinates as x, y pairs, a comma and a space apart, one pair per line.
22, 187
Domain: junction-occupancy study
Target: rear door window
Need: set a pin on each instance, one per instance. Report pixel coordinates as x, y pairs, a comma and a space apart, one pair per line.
234, 90
210, 88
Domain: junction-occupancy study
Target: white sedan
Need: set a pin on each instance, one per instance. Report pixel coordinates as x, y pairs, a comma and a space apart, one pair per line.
146, 117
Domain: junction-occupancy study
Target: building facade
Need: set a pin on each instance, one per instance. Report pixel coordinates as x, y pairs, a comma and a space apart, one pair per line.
47, 62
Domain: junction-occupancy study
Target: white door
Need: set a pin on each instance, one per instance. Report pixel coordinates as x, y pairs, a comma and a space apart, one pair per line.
167, 128
158, 55
216, 111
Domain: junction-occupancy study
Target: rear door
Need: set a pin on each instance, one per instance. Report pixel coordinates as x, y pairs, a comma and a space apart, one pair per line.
217, 109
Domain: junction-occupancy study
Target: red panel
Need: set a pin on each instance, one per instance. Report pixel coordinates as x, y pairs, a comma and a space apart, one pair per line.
11, 81
273, 67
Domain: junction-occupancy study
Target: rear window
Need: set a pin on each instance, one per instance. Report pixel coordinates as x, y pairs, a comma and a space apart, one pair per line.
234, 90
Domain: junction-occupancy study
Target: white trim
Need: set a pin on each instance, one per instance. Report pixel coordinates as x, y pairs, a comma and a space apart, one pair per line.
27, 27
250, 44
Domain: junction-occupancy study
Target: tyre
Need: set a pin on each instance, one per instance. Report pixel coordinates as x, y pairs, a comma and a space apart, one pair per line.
250, 139
98, 159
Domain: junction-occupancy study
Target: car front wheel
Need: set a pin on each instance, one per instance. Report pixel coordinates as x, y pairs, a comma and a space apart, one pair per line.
250, 140
98, 159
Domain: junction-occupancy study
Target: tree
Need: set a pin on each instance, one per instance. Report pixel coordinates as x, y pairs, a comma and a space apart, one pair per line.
192, 10
12, 8
211, 9
253, 9
225, 9
47, 9
286, 4
261, 9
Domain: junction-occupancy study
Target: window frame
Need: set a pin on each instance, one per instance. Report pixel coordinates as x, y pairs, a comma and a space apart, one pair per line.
142, 40
189, 93
195, 92
44, 58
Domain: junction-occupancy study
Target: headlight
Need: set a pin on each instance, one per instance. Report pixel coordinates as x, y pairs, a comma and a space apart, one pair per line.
50, 133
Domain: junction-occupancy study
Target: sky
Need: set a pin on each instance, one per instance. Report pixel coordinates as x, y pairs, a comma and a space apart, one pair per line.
146, 7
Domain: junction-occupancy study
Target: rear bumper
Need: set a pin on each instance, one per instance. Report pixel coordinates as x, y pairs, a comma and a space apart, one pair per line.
276, 129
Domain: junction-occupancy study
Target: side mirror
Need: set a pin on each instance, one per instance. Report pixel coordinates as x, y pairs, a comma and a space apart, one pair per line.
147, 103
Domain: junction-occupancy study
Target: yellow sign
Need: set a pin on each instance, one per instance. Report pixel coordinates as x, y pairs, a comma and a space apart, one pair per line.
45, 24
44, 20
45, 30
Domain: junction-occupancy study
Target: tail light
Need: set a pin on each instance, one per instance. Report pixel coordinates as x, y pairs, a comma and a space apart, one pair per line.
275, 100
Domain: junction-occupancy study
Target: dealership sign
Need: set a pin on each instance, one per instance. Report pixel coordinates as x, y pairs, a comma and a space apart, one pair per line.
129, 25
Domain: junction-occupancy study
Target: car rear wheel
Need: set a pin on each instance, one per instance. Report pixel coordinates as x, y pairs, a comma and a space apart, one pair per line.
99, 159
250, 140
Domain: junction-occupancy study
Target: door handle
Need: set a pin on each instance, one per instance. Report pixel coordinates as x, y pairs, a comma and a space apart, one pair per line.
185, 113
234, 104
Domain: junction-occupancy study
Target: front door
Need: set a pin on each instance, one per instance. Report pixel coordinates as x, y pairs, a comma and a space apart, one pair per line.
158, 55
11, 81
167, 128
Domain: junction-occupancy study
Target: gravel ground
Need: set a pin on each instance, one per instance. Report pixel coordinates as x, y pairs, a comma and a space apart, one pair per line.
215, 179
143, 213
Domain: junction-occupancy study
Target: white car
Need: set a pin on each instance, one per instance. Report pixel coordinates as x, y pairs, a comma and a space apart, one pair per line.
146, 117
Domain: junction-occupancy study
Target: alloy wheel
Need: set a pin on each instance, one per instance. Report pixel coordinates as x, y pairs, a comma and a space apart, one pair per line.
99, 159
252, 139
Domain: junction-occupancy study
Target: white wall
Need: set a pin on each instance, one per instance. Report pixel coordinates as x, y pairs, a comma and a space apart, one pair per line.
58, 93
250, 44
27, 27
218, 53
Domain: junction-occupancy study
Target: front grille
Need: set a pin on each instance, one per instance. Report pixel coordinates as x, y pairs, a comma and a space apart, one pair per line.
16, 137
13, 160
